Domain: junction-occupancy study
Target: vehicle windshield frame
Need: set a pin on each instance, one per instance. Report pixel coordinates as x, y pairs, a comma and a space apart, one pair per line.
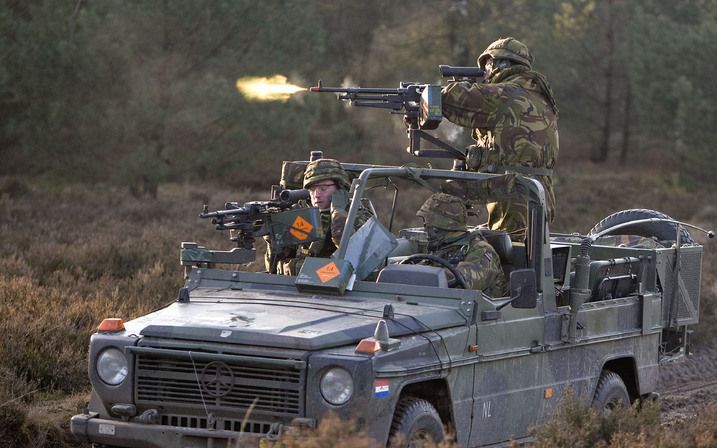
532, 188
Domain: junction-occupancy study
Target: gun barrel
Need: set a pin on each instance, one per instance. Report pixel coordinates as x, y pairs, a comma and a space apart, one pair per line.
224, 213
372, 90
461, 72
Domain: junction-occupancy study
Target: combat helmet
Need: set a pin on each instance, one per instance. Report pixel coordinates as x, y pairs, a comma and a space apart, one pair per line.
323, 169
508, 48
444, 211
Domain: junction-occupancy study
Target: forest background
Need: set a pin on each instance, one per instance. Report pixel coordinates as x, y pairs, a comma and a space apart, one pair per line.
143, 92
119, 119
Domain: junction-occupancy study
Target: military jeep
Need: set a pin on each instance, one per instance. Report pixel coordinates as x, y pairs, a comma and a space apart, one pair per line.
240, 358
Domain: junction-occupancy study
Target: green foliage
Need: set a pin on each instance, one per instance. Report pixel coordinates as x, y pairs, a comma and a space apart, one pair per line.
641, 70
142, 92
677, 105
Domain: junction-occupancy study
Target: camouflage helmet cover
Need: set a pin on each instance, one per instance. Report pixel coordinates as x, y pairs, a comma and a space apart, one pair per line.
508, 48
444, 211
323, 169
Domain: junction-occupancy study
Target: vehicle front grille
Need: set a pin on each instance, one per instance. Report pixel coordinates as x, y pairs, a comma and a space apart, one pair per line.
162, 380
243, 426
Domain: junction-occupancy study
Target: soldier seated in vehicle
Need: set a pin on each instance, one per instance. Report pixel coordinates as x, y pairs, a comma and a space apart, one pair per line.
328, 185
445, 221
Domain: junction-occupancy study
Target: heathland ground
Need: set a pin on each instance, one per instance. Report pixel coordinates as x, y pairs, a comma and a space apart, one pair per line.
76, 254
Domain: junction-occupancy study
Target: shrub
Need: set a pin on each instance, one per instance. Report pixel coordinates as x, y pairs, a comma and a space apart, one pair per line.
576, 424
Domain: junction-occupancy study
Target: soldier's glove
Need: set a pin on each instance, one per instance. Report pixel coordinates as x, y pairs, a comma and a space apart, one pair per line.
339, 200
339, 207
474, 157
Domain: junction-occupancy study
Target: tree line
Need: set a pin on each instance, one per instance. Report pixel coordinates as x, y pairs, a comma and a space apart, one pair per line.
141, 92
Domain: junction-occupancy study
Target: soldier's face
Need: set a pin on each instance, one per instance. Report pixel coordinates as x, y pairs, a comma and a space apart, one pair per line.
435, 236
488, 68
321, 192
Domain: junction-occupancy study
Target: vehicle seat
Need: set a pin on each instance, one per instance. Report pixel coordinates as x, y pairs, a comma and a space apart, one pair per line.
503, 245
615, 278
413, 274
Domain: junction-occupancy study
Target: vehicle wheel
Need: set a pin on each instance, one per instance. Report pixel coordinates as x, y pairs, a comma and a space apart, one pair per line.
415, 424
663, 231
610, 393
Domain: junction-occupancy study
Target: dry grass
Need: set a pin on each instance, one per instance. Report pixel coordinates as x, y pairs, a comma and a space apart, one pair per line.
76, 255
73, 257
577, 425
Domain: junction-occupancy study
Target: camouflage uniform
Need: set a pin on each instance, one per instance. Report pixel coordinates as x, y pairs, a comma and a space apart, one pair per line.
514, 119
292, 178
333, 220
468, 251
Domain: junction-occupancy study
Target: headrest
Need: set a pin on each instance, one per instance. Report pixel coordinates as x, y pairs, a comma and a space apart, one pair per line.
501, 243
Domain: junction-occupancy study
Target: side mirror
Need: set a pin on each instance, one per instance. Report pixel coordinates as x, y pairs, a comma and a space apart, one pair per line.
523, 293
523, 290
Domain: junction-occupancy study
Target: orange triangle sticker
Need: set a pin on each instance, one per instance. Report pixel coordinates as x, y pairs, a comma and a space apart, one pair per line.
328, 272
300, 228
302, 224
299, 235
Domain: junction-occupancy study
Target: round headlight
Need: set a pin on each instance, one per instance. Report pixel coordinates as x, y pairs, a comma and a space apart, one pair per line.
337, 386
112, 366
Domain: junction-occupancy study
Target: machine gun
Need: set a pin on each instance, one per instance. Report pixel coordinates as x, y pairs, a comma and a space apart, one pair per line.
277, 218
420, 105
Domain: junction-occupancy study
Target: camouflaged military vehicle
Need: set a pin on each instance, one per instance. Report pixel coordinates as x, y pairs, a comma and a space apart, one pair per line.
370, 334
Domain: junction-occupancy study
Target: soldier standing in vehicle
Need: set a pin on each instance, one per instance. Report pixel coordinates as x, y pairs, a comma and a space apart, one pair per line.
328, 185
445, 221
514, 118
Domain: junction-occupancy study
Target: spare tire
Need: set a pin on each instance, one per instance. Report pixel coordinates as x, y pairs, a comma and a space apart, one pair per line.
663, 231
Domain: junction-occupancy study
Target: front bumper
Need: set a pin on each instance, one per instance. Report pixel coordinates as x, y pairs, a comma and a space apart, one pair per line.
91, 428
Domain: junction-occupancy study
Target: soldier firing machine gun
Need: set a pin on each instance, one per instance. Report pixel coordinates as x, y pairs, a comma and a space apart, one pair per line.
420, 105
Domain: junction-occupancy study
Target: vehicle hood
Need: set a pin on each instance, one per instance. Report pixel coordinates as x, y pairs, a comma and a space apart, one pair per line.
287, 320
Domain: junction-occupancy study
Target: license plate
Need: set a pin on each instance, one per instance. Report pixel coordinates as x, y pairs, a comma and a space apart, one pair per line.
105, 429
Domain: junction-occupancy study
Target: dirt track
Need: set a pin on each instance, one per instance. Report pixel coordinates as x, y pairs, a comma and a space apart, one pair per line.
687, 387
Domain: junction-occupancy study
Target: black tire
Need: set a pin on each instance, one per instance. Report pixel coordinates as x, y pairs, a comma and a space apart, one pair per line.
610, 393
415, 424
663, 231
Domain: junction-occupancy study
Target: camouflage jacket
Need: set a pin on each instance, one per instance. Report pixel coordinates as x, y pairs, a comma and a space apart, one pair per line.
514, 121
479, 263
